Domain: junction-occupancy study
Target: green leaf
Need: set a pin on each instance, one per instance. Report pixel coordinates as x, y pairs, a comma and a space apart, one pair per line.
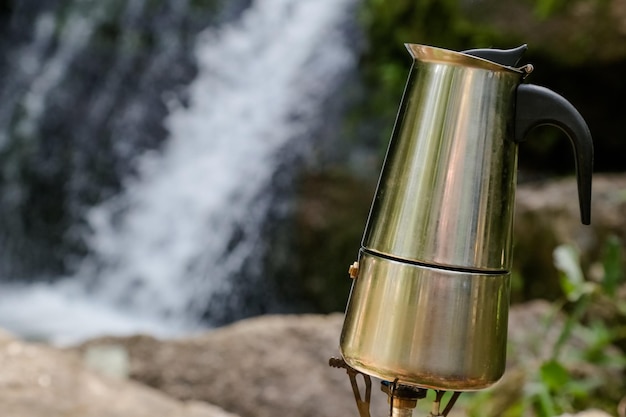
547, 8
546, 406
554, 375
612, 262
573, 284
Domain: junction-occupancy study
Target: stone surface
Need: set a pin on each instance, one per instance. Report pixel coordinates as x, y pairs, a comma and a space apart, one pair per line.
260, 367
588, 413
40, 381
557, 203
277, 365
547, 215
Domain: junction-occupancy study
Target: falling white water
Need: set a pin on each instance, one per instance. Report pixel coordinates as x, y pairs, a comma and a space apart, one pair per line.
161, 248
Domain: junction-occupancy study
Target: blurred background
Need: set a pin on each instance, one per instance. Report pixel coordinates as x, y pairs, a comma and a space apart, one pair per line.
174, 165
168, 166
151, 153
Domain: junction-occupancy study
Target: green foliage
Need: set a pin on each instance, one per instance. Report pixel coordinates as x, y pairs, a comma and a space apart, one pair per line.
573, 284
613, 273
546, 8
385, 63
557, 386
598, 336
389, 25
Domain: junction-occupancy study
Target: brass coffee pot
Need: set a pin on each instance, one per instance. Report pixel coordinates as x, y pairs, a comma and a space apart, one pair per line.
430, 299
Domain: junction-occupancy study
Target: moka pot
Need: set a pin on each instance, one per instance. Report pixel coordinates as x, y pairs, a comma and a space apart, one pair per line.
429, 303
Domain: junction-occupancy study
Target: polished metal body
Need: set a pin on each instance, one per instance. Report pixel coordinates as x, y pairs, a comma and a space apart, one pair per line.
446, 192
429, 304
432, 327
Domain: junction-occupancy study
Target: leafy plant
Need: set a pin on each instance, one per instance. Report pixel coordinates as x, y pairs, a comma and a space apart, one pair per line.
594, 323
581, 294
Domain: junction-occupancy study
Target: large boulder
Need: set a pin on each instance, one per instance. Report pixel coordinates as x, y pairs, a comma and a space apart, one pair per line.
39, 381
547, 215
278, 365
259, 367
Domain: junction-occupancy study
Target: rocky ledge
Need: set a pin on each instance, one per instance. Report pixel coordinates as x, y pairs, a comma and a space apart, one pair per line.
260, 367
37, 380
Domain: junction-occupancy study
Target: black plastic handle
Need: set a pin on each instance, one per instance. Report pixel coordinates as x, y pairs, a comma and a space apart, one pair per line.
538, 106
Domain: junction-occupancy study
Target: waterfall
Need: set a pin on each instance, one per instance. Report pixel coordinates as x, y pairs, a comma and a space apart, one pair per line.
165, 253
80, 96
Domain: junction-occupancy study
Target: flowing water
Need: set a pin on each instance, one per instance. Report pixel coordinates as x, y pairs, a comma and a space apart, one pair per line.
170, 253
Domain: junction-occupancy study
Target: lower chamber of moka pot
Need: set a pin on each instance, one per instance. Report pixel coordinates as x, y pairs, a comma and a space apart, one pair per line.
430, 327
